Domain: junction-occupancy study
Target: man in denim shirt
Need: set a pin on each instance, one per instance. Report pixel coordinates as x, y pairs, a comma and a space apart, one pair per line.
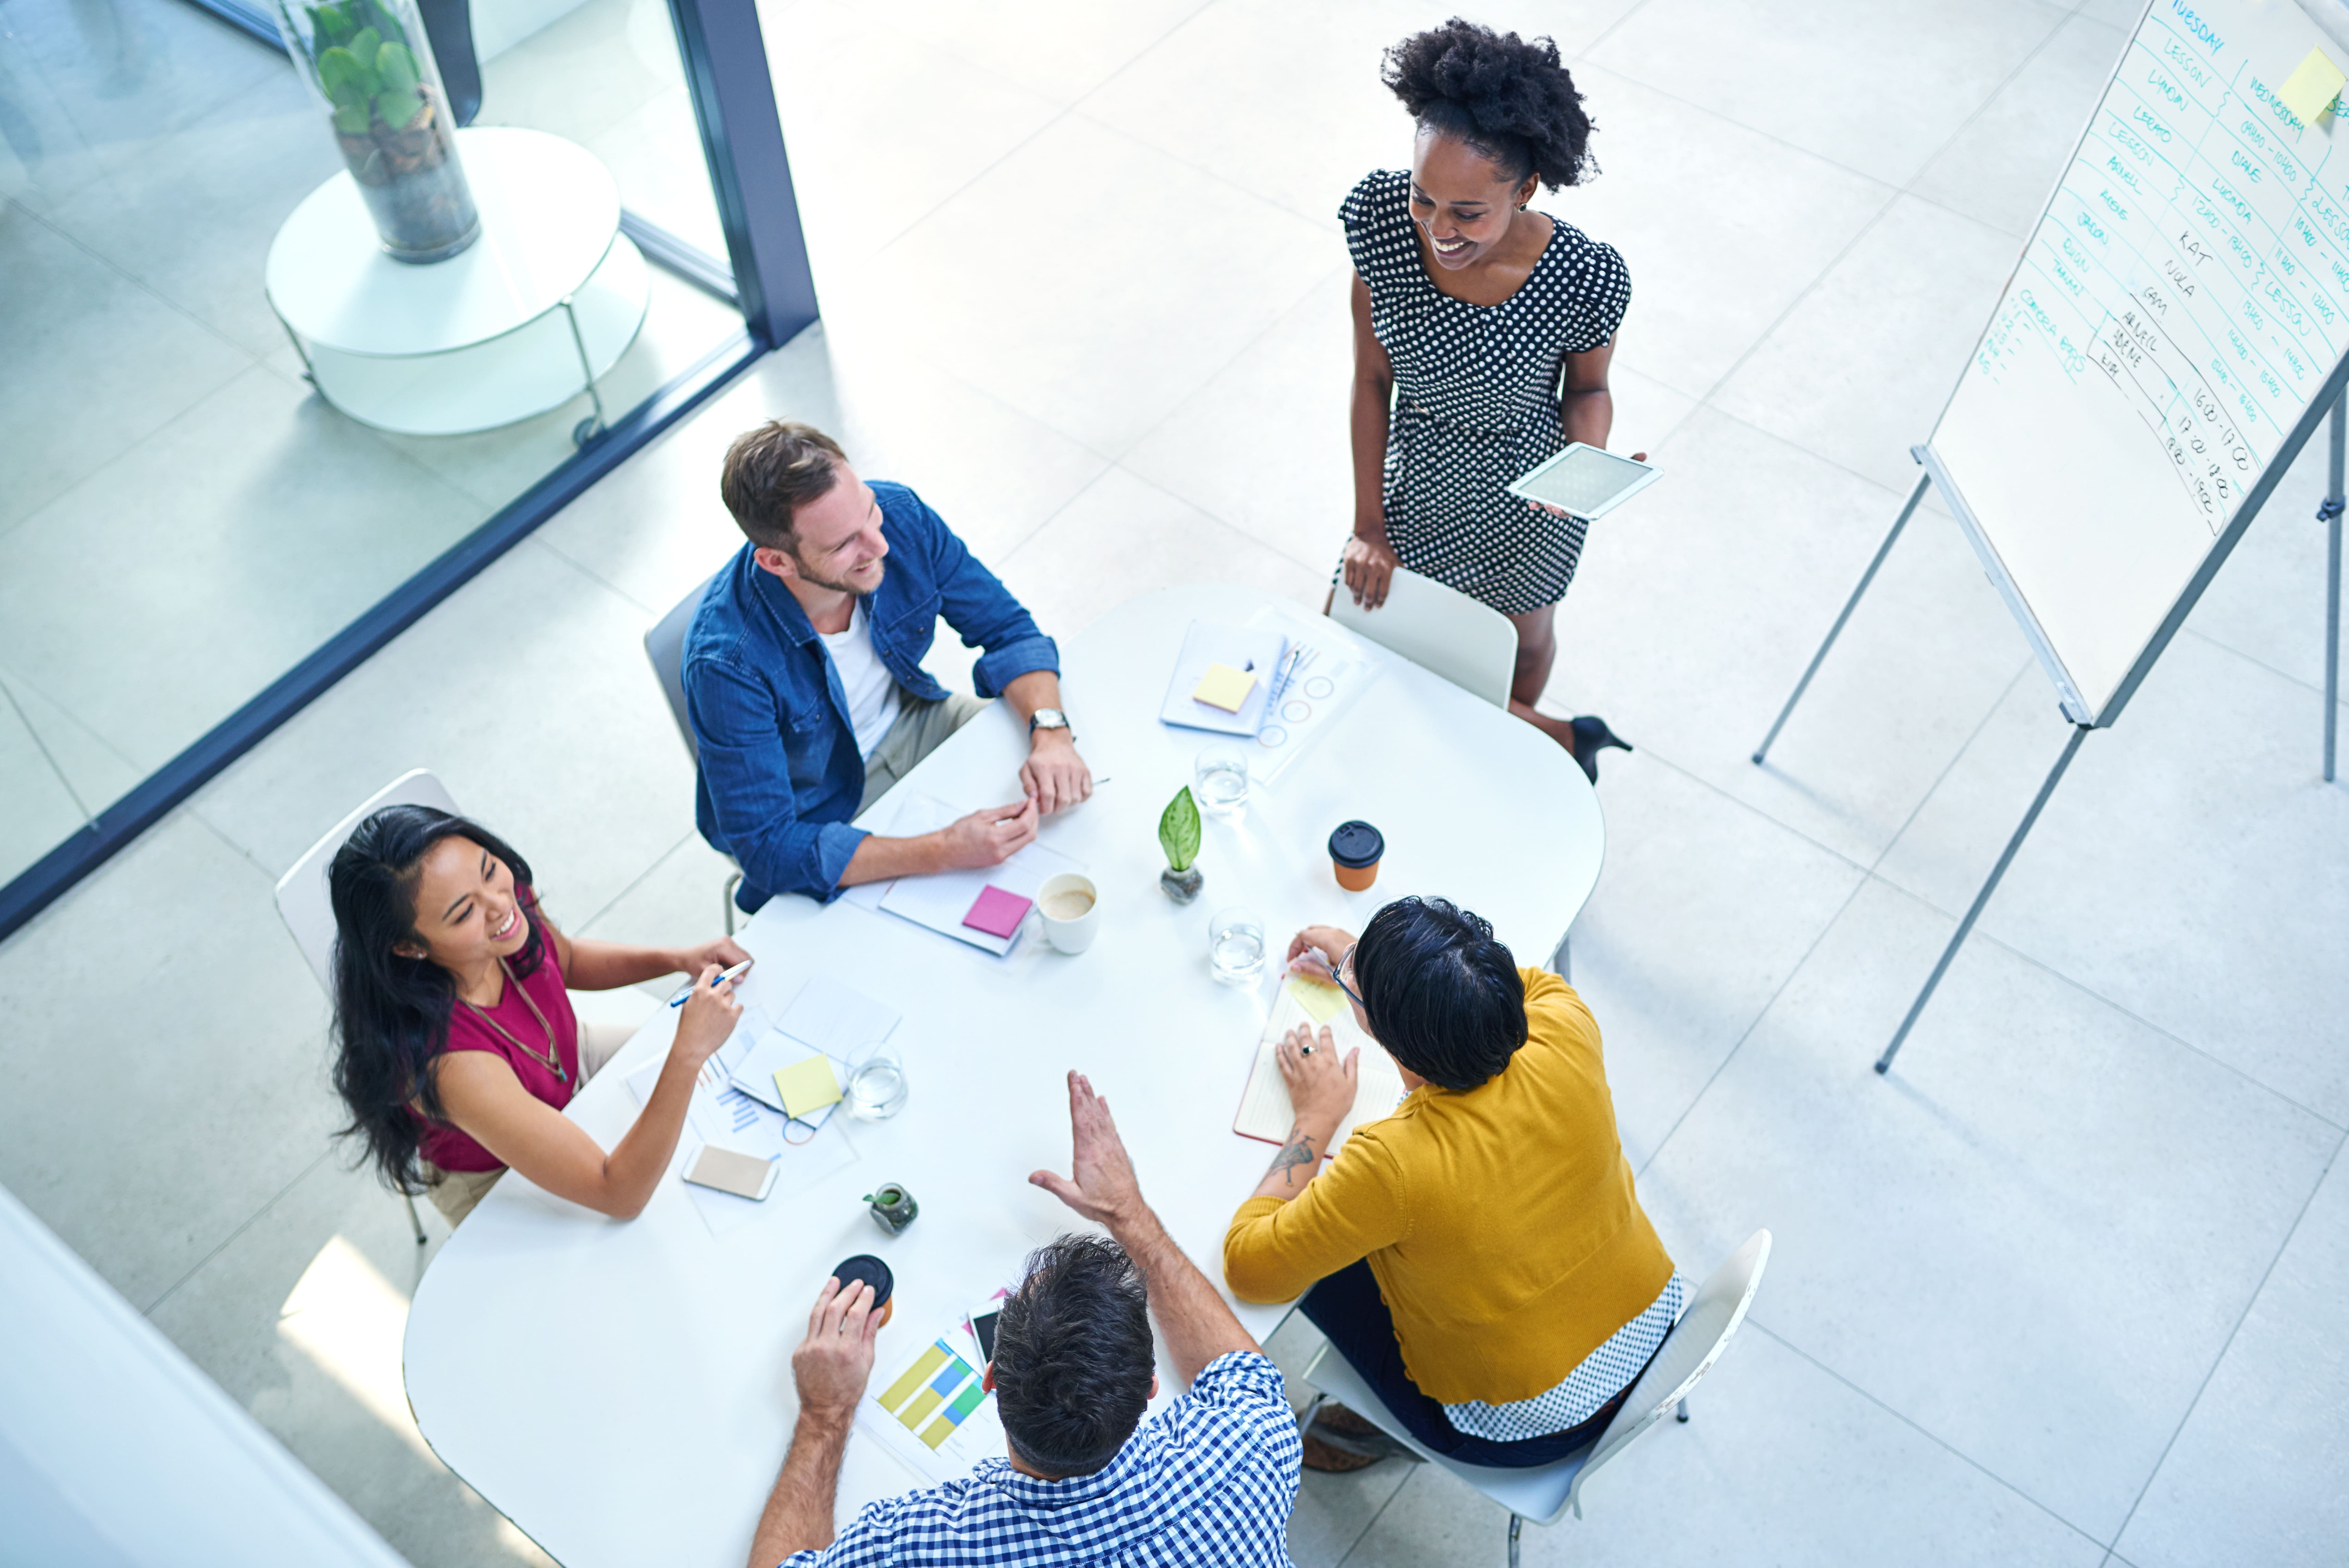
804, 685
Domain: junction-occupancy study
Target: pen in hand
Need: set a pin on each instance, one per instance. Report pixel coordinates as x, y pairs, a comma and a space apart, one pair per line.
737, 972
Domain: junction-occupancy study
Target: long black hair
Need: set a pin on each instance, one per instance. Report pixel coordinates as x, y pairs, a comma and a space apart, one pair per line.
391, 1012
1508, 98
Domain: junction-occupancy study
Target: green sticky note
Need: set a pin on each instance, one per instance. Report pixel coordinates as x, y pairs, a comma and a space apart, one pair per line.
807, 1086
2310, 90
1321, 1002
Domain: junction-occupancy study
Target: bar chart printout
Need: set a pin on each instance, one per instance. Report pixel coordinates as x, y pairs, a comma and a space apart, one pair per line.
934, 1411
2176, 312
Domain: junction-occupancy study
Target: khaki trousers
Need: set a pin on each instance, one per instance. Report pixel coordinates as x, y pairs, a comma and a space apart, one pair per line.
455, 1192
921, 728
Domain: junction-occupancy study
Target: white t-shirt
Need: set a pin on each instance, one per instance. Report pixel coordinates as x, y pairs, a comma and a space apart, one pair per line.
871, 689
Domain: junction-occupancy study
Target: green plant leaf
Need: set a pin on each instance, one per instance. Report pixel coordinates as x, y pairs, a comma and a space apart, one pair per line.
1178, 830
351, 118
399, 108
330, 25
378, 17
339, 69
364, 46
396, 67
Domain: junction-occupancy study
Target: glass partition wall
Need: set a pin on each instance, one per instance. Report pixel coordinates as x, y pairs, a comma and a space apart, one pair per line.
241, 447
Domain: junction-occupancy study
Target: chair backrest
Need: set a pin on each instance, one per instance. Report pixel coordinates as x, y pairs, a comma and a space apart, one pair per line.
1441, 630
1687, 1353
302, 901
665, 646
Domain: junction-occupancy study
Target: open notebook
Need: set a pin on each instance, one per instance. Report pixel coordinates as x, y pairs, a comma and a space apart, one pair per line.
1265, 1111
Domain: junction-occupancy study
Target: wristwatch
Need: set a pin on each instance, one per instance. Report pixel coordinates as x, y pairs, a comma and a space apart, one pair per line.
1048, 719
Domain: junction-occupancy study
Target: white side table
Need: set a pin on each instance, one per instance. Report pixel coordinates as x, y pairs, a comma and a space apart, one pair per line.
526, 317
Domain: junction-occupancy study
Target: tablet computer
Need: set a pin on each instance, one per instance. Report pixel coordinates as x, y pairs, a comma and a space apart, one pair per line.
1588, 481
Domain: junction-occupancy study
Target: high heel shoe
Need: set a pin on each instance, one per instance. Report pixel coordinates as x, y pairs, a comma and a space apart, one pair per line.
1591, 736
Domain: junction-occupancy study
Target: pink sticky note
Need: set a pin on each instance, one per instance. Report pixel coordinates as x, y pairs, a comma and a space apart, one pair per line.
996, 911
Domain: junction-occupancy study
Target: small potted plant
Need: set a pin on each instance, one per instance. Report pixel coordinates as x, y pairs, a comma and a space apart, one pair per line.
1179, 835
372, 63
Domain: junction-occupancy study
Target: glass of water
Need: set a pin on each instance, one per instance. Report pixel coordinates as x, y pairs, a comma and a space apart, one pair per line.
876, 1090
1236, 946
1220, 780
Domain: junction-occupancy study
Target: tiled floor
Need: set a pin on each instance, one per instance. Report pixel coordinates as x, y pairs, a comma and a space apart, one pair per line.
2063, 1289
182, 518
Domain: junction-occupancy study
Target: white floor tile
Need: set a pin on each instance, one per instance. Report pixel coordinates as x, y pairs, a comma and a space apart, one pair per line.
655, 154
2254, 1475
1824, 377
1780, 1462
2191, 868
2032, 1240
529, 694
299, 1318
78, 336
2001, 167
1058, 49
236, 539
1709, 275
1696, 607
1859, 84
585, 72
2267, 602
1704, 911
165, 1054
43, 807
1069, 319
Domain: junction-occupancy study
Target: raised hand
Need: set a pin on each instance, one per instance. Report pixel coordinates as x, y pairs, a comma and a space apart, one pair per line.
1104, 1189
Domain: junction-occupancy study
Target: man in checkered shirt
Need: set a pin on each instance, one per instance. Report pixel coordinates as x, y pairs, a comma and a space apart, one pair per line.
1211, 1479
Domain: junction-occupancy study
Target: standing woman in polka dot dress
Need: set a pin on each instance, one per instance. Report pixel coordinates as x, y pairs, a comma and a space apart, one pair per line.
1482, 334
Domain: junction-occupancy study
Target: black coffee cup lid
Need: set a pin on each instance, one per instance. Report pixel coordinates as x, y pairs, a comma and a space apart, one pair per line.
1357, 844
871, 1269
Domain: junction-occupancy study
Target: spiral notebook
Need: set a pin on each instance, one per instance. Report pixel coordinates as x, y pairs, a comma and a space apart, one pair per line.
1265, 1110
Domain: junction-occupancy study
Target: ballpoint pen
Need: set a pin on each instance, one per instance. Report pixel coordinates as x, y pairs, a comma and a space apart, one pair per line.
737, 972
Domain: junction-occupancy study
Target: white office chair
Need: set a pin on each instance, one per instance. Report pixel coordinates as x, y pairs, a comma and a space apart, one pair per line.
665, 646
1544, 1493
1446, 633
1441, 630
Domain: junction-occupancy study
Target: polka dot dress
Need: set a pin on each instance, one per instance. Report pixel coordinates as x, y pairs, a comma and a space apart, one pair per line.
1476, 399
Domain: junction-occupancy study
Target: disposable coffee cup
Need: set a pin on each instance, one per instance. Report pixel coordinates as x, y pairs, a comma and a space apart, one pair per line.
868, 1270
1069, 906
1355, 850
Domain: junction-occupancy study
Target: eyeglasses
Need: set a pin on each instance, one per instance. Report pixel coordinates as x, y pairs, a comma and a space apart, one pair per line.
1345, 963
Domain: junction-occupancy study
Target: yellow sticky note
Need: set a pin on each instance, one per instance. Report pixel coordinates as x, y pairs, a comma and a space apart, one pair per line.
2310, 90
1223, 686
808, 1085
1321, 1000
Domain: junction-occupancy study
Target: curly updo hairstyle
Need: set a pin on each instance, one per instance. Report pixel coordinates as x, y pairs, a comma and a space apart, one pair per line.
1506, 96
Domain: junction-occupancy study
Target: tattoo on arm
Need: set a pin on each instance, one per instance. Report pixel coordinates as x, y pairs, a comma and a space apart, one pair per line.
1297, 1151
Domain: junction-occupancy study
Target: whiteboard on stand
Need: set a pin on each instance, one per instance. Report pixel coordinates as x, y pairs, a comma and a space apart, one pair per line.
2173, 332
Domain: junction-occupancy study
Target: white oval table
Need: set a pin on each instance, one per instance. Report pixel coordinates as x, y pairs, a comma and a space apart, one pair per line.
523, 320
622, 1391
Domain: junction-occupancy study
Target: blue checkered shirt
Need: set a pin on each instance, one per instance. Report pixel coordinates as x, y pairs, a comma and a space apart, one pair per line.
1210, 1478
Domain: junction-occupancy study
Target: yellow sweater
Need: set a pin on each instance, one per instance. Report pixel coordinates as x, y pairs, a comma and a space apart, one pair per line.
1500, 1223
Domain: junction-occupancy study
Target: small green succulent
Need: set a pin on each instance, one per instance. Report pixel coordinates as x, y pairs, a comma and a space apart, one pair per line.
364, 66
1178, 830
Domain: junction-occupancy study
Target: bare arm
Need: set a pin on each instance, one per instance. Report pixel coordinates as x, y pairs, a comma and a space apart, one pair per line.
1369, 559
831, 1367
987, 838
1197, 1325
489, 1104
1321, 1089
1585, 408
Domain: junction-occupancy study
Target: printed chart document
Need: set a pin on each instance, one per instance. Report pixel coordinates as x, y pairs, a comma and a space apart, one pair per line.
1330, 672
929, 1408
1265, 1111
826, 1018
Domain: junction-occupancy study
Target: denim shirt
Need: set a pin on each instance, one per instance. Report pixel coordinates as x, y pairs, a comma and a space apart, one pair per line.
781, 775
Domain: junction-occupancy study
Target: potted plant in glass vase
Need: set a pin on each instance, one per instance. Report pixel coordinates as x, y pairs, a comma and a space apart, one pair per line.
372, 63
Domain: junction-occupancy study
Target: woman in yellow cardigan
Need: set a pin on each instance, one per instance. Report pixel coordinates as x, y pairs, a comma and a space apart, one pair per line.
1479, 1257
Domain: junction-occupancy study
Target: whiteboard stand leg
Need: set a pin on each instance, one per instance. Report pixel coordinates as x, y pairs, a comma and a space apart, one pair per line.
1850, 604
2330, 515
2071, 748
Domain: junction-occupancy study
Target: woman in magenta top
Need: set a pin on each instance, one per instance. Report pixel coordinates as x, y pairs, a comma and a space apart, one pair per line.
456, 1046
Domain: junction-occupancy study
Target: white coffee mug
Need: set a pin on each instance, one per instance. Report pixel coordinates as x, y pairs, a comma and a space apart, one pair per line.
1069, 906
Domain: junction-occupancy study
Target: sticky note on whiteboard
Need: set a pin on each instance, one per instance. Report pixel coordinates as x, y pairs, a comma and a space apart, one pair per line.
2310, 90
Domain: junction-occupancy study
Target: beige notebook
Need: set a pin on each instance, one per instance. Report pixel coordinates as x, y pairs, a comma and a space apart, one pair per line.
1265, 1111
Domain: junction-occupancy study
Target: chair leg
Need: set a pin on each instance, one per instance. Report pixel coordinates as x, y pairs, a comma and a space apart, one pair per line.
1680, 1415
1305, 1416
414, 1223
727, 898
1515, 1524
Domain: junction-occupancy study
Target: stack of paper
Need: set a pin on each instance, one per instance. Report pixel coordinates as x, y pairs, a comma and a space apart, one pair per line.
1223, 676
958, 904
